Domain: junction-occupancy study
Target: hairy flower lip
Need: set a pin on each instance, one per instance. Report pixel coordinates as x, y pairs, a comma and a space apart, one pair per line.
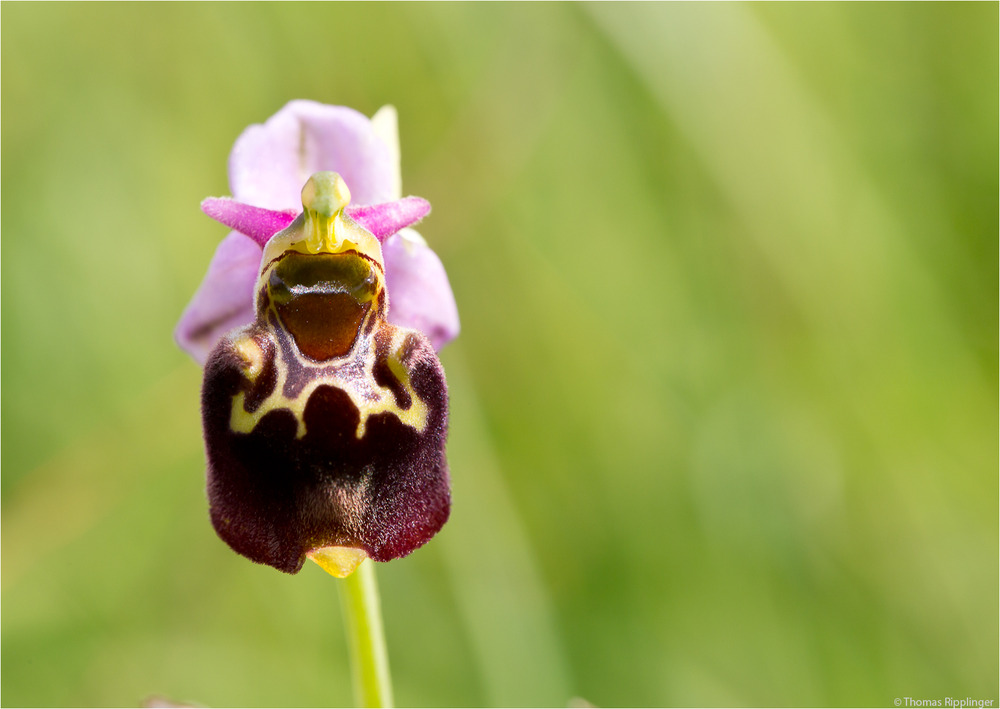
325, 435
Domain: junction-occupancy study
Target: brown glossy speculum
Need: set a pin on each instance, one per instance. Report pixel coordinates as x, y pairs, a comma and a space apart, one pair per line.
323, 300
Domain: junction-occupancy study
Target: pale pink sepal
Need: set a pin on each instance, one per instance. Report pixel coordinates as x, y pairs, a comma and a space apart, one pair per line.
270, 162
224, 300
420, 296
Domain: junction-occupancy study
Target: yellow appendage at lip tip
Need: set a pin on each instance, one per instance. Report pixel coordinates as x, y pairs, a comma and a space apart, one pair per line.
338, 561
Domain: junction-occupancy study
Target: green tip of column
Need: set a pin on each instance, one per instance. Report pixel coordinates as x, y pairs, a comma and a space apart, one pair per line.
325, 194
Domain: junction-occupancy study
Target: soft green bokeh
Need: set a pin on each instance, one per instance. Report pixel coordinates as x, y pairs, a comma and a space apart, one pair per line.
724, 416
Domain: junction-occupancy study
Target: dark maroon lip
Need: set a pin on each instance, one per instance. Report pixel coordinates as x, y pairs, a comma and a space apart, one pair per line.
276, 494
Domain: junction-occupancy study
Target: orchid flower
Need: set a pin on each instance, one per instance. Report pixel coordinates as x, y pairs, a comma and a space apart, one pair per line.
324, 404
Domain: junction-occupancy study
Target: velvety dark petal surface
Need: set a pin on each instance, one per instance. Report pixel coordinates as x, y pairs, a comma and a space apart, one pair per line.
274, 497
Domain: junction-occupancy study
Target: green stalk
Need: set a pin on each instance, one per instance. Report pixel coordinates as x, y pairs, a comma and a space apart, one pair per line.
366, 638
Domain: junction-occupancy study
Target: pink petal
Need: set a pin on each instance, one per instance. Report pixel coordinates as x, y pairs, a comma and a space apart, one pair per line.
256, 222
420, 296
224, 300
270, 162
384, 220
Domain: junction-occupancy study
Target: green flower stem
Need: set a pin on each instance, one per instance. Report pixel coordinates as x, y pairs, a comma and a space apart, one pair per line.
366, 638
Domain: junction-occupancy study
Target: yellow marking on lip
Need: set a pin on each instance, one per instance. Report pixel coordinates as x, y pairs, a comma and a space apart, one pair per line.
251, 353
415, 416
368, 397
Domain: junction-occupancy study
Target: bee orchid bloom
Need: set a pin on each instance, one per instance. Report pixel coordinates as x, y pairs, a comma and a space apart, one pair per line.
325, 410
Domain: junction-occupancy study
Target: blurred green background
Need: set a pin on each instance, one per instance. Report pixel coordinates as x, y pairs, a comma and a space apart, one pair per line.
724, 407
